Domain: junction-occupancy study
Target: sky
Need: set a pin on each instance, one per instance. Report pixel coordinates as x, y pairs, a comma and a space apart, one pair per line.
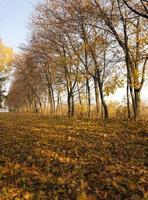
14, 19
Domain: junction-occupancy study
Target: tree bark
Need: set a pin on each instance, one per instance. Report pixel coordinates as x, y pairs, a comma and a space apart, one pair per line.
128, 101
97, 98
88, 98
104, 105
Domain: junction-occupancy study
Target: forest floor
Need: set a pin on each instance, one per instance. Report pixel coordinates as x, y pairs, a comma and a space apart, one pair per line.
72, 159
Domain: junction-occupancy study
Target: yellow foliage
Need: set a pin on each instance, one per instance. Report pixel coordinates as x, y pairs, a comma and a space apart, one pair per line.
82, 196
27, 196
6, 56
112, 85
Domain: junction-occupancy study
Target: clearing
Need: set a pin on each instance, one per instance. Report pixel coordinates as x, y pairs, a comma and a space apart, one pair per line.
71, 159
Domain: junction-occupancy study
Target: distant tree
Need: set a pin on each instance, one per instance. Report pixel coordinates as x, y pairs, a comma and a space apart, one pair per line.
6, 57
2, 79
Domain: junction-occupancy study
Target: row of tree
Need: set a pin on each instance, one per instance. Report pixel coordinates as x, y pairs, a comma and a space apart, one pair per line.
79, 52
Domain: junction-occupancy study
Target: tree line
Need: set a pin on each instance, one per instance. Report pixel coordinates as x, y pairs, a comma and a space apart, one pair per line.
78, 53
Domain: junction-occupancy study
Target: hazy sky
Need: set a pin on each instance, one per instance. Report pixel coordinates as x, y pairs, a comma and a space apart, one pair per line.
14, 17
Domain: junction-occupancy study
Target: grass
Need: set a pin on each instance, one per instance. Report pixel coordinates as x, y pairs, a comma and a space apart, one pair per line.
71, 159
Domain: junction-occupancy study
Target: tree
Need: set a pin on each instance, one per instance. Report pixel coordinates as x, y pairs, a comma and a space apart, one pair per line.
79, 53
119, 17
140, 8
6, 57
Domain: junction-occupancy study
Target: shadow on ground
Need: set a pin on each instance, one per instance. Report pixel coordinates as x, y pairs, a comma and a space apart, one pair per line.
69, 159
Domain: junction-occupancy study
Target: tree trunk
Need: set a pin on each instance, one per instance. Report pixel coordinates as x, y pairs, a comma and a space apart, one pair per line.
97, 98
53, 100
88, 97
104, 105
72, 106
58, 103
137, 102
80, 101
69, 104
128, 101
35, 107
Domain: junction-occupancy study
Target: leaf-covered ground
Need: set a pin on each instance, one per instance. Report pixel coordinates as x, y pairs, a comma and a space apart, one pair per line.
70, 159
